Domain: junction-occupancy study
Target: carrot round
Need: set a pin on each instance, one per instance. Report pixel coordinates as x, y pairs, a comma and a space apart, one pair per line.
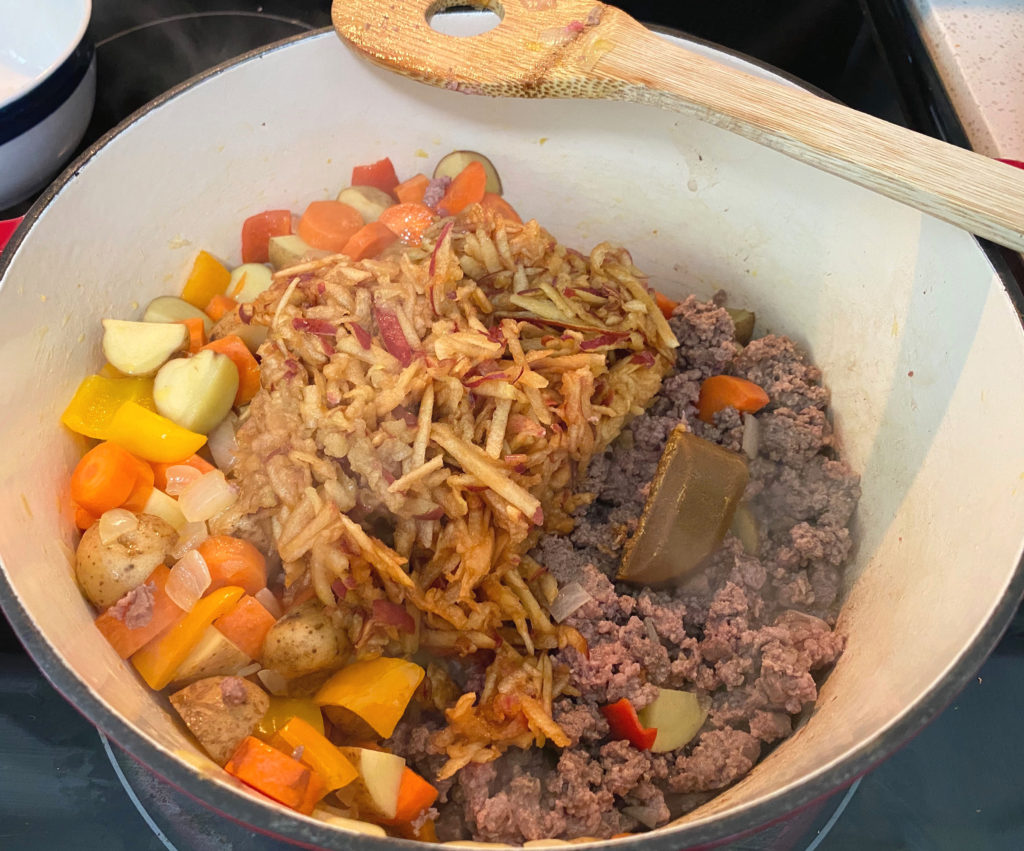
83, 519
408, 221
329, 224
104, 478
727, 391
248, 367
232, 561
143, 487
665, 304
468, 187
369, 241
500, 207
411, 191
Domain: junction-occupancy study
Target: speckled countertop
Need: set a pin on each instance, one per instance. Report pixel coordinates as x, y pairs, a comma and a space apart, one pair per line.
977, 47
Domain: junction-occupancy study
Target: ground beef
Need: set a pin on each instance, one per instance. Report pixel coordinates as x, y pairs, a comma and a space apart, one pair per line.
750, 633
135, 609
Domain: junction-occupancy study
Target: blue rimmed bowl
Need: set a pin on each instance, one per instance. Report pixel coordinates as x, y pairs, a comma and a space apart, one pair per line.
47, 90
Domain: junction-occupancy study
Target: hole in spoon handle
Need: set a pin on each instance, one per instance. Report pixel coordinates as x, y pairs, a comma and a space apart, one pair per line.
485, 16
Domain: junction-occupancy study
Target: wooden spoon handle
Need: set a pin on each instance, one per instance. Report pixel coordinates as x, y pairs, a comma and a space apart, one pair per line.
583, 48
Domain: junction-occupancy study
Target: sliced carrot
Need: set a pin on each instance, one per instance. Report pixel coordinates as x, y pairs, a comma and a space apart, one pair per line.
369, 241
500, 207
414, 795
143, 487
468, 187
246, 625
409, 221
329, 224
727, 391
104, 478
276, 775
411, 191
83, 519
196, 333
232, 561
257, 230
380, 174
220, 306
665, 304
248, 367
128, 640
160, 469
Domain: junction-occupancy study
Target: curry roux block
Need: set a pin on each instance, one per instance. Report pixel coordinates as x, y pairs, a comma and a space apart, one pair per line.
690, 506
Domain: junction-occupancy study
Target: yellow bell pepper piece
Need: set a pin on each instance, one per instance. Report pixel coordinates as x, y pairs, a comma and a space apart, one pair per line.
97, 399
209, 277
377, 690
283, 709
159, 659
147, 434
318, 753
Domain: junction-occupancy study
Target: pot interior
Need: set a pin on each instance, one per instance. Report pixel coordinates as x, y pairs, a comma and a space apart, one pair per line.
916, 334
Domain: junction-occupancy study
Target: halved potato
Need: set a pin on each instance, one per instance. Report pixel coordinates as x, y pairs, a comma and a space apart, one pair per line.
196, 392
141, 348
169, 308
214, 656
368, 200
290, 250
451, 164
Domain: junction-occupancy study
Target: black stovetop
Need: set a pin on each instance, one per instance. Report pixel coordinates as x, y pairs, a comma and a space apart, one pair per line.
955, 786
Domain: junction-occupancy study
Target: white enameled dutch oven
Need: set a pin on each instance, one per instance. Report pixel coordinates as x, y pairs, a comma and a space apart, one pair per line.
918, 336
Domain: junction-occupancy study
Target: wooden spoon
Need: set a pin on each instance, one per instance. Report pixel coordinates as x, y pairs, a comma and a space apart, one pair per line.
583, 48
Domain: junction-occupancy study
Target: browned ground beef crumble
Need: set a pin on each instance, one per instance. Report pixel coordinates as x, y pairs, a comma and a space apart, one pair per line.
749, 632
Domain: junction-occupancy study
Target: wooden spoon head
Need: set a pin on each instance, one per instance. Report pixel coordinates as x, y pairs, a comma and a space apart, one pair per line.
541, 48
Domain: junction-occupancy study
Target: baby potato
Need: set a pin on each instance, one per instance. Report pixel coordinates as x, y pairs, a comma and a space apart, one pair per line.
305, 640
106, 572
220, 712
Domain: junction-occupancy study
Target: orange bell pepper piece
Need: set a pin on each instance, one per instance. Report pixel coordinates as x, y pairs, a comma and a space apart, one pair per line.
159, 659
377, 690
318, 753
209, 277
283, 709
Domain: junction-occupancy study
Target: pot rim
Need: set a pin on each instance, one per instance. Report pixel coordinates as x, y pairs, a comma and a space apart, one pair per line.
242, 807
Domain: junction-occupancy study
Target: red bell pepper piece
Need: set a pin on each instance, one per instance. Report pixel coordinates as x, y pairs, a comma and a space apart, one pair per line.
380, 174
625, 724
257, 230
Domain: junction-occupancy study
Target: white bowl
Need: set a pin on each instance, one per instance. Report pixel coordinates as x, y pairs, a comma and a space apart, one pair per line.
47, 90
917, 334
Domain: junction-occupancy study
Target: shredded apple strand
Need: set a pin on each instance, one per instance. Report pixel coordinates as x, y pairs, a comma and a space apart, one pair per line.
450, 393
